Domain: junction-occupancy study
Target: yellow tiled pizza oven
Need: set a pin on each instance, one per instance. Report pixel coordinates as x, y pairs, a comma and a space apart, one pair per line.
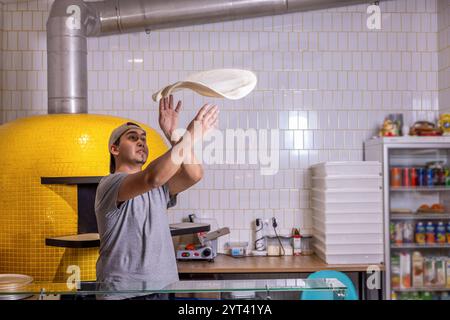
56, 145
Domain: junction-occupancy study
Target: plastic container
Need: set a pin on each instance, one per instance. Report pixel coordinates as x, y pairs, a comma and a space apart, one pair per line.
307, 245
348, 228
346, 168
349, 217
275, 249
237, 249
349, 258
346, 182
365, 249
352, 248
346, 238
348, 195
347, 207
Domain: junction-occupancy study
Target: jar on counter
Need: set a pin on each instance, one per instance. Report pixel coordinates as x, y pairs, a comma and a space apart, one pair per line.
307, 245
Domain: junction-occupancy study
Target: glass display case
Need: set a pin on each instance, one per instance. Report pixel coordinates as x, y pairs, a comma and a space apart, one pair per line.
261, 288
416, 183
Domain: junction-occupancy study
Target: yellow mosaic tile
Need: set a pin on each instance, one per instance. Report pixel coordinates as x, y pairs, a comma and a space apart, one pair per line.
51, 146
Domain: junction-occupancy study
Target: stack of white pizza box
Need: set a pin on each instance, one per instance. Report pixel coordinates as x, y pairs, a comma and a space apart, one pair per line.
347, 209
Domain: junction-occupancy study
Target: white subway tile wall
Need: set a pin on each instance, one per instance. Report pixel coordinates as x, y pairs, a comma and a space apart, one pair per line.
444, 54
324, 80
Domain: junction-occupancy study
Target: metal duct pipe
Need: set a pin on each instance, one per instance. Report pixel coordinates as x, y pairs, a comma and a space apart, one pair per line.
72, 21
67, 29
119, 16
139, 15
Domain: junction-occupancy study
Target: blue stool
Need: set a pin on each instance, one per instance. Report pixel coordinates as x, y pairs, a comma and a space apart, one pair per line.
329, 295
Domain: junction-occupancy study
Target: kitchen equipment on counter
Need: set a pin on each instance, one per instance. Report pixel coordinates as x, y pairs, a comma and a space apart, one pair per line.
260, 240
237, 249
273, 250
279, 245
306, 244
296, 242
205, 250
195, 252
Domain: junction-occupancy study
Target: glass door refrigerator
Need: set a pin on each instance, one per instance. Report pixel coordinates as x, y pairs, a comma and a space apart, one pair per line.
416, 196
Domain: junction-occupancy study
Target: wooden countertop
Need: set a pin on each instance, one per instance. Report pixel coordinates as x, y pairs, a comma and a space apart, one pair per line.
227, 264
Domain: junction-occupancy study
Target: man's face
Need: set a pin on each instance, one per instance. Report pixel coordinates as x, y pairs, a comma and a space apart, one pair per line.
133, 147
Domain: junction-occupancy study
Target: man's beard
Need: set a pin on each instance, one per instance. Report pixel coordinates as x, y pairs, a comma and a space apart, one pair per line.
141, 161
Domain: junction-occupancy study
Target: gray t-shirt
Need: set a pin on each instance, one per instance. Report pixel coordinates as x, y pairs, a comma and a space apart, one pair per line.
136, 249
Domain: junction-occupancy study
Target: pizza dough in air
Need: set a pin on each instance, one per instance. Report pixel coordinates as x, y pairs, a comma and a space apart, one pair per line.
231, 84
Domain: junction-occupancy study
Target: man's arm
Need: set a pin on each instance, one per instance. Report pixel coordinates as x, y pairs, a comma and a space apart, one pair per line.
156, 174
191, 171
185, 177
162, 169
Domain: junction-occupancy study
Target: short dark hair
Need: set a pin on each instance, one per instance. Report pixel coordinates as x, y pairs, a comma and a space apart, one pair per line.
112, 161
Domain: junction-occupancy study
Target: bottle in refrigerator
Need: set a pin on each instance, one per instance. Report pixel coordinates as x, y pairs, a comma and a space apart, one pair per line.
448, 232
447, 263
439, 173
396, 177
420, 233
417, 274
445, 296
399, 233
440, 272
441, 177
408, 232
429, 272
430, 230
447, 177
406, 181
414, 177
394, 295
427, 296
415, 296
392, 232
421, 177
404, 296
405, 270
395, 271
430, 177
441, 233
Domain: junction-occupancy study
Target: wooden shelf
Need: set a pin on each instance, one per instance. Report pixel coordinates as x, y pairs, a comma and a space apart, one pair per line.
86, 240
71, 180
